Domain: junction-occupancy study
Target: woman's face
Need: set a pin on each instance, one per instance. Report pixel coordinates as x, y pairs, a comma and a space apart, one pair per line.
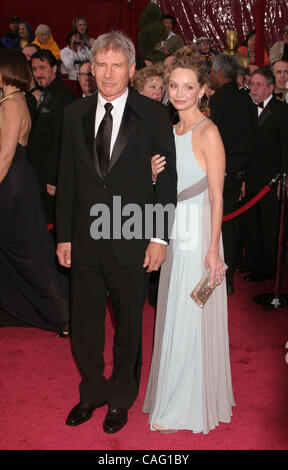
43, 37
251, 42
184, 89
153, 88
82, 26
23, 31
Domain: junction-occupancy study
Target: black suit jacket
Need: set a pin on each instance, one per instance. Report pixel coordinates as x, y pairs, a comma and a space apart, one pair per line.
272, 145
145, 130
45, 136
235, 115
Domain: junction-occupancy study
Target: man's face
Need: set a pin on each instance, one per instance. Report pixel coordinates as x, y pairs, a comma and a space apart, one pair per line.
168, 24
285, 37
280, 70
43, 73
204, 47
112, 72
259, 89
14, 27
75, 41
29, 51
86, 80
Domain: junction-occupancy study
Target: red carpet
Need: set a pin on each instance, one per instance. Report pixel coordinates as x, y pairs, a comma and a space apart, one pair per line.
39, 386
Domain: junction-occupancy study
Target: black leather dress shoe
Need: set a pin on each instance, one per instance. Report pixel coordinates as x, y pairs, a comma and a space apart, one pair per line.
253, 277
115, 419
81, 413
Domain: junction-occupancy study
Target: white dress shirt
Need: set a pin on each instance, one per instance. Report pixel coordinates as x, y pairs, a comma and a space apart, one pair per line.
265, 102
117, 114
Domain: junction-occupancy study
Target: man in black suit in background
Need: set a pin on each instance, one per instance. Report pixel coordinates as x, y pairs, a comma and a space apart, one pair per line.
106, 153
261, 221
236, 118
45, 136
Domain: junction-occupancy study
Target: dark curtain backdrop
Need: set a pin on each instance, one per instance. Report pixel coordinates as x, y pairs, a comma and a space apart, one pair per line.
212, 18
194, 17
102, 15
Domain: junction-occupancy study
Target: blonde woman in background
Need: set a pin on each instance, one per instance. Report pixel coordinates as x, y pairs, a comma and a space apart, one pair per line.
149, 81
80, 25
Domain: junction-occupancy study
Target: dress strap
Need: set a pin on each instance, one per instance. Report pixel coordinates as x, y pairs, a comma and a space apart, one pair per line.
10, 94
198, 124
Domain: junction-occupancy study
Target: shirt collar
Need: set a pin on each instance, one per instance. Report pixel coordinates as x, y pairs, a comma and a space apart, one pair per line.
118, 102
265, 102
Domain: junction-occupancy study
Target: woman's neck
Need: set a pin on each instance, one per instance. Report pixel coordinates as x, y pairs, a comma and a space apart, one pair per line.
7, 89
188, 118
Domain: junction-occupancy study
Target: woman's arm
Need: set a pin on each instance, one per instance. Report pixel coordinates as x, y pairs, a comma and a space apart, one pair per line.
214, 155
11, 122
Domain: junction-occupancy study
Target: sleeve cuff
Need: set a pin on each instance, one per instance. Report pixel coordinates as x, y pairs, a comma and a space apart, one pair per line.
157, 240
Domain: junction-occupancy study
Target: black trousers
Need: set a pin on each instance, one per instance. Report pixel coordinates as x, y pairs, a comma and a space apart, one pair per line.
127, 289
260, 233
231, 228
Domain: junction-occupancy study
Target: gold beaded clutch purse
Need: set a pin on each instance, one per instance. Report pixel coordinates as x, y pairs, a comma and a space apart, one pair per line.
202, 291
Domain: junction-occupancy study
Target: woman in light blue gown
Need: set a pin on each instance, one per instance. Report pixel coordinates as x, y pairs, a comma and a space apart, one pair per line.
190, 380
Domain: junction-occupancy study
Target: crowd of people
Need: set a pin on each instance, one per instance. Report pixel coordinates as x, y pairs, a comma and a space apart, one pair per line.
202, 132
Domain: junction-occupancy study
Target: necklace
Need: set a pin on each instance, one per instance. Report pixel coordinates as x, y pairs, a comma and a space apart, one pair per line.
10, 94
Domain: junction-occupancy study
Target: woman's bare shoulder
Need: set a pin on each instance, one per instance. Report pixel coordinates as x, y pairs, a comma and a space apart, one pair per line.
209, 130
13, 104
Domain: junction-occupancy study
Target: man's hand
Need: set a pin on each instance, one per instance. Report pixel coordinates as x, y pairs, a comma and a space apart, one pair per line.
154, 256
158, 163
64, 254
51, 189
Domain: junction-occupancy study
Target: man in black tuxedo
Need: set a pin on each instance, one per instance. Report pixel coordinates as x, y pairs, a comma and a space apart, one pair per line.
106, 154
45, 136
261, 222
235, 116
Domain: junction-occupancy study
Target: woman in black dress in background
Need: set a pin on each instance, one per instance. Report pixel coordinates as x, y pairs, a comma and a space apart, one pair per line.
29, 284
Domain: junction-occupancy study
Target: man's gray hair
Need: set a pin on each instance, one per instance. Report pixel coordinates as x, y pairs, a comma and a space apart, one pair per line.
117, 41
227, 64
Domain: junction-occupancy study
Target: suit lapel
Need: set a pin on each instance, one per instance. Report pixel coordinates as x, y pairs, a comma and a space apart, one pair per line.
88, 126
266, 113
128, 123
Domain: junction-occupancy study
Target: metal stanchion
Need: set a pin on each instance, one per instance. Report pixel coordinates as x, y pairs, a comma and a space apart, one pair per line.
277, 300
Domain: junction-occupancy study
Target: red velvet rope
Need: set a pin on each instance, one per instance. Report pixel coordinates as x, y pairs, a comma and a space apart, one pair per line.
248, 204
226, 217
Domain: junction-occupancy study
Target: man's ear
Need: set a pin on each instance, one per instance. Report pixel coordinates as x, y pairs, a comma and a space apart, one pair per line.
132, 70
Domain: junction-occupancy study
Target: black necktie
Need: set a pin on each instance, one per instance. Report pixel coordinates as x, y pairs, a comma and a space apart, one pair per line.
103, 139
261, 105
